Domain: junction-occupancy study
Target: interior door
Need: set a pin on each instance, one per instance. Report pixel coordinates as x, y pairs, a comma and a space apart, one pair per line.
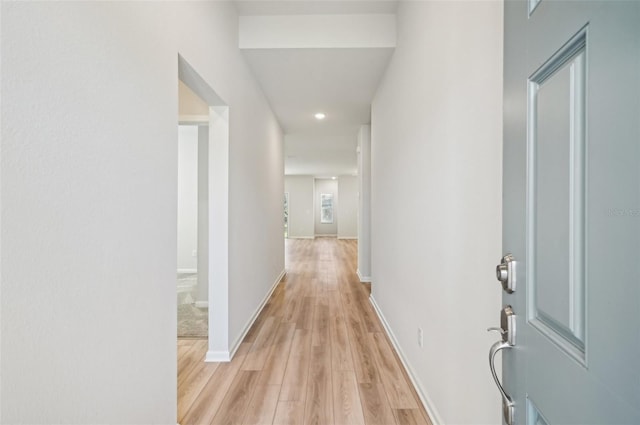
571, 217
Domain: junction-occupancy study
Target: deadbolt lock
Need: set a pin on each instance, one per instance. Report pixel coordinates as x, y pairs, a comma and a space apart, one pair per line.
506, 273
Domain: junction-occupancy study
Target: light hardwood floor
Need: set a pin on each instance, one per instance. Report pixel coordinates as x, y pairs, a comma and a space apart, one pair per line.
317, 354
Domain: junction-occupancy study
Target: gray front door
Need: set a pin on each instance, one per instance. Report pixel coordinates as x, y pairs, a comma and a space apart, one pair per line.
571, 214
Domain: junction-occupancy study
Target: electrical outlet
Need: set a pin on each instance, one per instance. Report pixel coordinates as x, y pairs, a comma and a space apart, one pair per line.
420, 338
194, 253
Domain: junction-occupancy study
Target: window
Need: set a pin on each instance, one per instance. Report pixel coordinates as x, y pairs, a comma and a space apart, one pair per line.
326, 208
286, 214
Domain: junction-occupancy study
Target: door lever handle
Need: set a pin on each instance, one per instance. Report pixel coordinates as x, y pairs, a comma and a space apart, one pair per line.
507, 403
507, 330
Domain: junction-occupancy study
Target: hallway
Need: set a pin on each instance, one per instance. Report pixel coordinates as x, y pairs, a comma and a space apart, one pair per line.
317, 354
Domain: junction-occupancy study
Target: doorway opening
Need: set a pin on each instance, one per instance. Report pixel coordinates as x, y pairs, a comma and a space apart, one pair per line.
203, 217
192, 287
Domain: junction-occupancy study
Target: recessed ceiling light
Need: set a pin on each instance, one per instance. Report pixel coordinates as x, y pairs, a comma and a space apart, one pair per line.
320, 116
333, 178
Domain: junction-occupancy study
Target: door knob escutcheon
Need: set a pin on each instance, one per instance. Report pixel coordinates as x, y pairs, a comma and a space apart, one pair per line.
507, 327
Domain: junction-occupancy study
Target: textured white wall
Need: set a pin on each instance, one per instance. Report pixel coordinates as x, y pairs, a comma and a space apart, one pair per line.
187, 197
300, 188
436, 200
348, 207
326, 186
89, 195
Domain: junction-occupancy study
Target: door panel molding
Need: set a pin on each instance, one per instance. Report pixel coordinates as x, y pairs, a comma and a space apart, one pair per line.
534, 416
556, 144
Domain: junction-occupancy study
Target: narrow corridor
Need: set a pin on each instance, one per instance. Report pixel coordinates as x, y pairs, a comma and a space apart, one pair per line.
317, 354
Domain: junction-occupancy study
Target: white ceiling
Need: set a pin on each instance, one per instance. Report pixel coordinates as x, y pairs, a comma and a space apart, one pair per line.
316, 7
299, 82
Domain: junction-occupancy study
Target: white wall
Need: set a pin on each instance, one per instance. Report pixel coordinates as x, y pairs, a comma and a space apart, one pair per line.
364, 203
326, 186
89, 195
301, 221
1, 274
348, 207
436, 200
187, 198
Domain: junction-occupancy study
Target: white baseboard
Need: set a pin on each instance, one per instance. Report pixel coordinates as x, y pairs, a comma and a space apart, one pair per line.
217, 356
350, 238
426, 400
363, 278
187, 270
326, 236
202, 304
301, 237
224, 356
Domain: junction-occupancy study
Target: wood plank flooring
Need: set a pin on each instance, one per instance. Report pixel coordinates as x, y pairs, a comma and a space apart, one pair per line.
316, 355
